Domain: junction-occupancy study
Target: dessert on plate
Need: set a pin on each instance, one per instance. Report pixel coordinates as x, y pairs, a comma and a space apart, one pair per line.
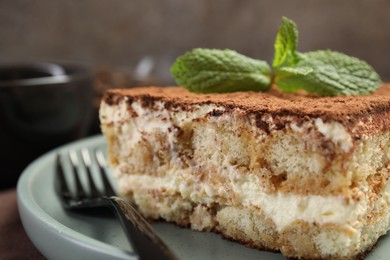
296, 173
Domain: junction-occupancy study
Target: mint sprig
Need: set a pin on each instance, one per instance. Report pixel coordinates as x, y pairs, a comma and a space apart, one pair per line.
210, 70
286, 45
326, 73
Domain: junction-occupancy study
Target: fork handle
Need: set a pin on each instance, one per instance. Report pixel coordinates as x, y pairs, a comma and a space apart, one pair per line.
146, 243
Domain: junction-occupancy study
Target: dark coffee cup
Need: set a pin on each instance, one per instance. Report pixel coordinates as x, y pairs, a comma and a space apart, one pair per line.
42, 106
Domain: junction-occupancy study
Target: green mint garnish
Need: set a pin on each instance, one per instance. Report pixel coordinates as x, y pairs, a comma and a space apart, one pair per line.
286, 44
210, 70
326, 73
331, 73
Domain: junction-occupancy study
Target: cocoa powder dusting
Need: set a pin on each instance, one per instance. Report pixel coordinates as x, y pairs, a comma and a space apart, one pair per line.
373, 110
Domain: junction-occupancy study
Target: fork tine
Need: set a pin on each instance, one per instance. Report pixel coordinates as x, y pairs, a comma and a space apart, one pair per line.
62, 185
109, 190
80, 193
86, 159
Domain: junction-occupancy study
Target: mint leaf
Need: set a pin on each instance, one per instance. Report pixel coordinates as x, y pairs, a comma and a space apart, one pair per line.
286, 44
211, 70
332, 73
326, 73
285, 77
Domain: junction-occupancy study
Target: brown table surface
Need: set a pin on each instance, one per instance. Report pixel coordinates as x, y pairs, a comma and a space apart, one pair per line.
14, 242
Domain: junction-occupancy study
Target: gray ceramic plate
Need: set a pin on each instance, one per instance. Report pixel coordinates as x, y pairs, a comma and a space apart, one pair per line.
59, 234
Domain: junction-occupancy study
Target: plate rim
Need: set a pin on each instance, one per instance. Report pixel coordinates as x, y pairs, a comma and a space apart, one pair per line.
34, 218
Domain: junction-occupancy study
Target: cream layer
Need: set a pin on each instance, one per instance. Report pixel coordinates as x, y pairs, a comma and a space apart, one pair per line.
281, 208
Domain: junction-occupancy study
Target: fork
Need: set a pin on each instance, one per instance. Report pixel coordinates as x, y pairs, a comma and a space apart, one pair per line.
145, 242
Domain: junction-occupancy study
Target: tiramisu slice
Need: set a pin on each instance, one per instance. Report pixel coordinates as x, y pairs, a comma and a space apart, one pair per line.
305, 175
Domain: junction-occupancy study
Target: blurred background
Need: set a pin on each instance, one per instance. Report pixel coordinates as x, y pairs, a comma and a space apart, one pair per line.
118, 34
128, 43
